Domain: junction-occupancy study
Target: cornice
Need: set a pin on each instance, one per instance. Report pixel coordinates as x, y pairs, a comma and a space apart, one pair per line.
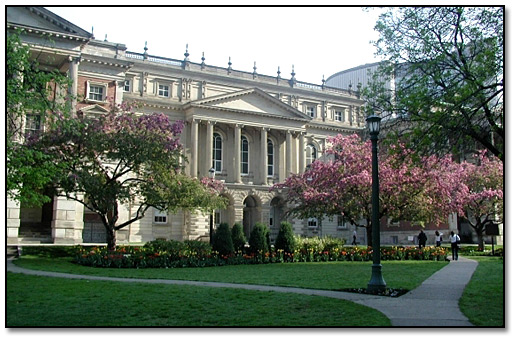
50, 33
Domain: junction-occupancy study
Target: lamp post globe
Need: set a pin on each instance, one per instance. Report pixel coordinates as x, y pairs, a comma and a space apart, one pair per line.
376, 283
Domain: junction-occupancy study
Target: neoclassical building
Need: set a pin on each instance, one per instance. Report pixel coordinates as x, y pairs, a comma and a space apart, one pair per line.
253, 130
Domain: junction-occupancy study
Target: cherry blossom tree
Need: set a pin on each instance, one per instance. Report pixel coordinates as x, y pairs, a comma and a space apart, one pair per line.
122, 158
482, 199
411, 187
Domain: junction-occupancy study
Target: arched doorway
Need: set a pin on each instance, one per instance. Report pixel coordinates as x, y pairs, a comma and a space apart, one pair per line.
276, 216
252, 214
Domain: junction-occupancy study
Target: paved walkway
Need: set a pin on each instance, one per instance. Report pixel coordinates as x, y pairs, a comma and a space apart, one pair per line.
433, 303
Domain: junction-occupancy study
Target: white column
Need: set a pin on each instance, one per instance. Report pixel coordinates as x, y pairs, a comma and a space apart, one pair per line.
13, 220
302, 152
194, 147
209, 148
73, 75
263, 156
238, 134
288, 153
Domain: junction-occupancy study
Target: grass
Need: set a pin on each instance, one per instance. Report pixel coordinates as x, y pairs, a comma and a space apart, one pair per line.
45, 301
483, 298
318, 275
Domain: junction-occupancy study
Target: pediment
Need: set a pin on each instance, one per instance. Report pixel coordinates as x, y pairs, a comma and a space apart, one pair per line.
252, 101
93, 109
43, 19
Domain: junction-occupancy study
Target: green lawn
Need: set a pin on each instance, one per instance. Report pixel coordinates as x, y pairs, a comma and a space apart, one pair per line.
483, 299
317, 275
45, 301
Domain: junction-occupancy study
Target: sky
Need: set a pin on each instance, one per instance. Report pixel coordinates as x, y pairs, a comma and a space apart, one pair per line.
318, 41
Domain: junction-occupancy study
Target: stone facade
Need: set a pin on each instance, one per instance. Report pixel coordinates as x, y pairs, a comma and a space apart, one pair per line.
254, 130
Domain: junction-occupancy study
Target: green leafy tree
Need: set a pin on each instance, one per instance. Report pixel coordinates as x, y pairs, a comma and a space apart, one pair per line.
31, 97
223, 241
121, 158
448, 68
238, 236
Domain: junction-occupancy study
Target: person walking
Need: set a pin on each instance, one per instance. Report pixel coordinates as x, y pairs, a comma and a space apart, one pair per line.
454, 240
438, 238
354, 236
422, 239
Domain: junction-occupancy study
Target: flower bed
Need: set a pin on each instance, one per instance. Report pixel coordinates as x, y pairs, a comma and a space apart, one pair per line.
199, 254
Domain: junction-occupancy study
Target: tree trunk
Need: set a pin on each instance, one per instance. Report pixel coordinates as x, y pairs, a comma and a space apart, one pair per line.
480, 236
111, 239
369, 234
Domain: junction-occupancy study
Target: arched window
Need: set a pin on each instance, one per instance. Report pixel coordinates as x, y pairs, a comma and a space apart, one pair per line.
311, 153
217, 153
244, 160
270, 158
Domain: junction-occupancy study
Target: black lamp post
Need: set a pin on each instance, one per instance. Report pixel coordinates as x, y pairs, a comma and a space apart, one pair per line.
211, 173
376, 283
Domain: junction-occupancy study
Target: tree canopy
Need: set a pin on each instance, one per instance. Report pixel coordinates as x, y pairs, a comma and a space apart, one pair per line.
411, 188
442, 79
123, 158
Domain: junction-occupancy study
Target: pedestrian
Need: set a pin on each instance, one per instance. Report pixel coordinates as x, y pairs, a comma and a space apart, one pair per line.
422, 239
454, 240
438, 238
354, 236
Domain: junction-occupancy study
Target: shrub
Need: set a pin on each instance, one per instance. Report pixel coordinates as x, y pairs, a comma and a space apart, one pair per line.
285, 240
223, 242
163, 245
199, 248
258, 239
238, 237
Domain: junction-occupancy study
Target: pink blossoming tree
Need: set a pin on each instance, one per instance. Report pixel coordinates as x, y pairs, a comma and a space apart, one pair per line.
123, 158
411, 188
482, 200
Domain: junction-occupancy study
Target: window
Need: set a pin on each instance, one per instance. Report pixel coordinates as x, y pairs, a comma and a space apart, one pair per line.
312, 223
217, 153
342, 223
311, 154
270, 158
244, 161
218, 217
96, 92
311, 111
32, 123
160, 217
164, 90
126, 86
338, 115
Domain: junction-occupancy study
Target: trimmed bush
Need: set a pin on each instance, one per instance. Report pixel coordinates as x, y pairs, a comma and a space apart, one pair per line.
238, 237
285, 240
223, 242
258, 239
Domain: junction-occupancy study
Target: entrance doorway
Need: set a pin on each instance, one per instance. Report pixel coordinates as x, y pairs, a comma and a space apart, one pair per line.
251, 214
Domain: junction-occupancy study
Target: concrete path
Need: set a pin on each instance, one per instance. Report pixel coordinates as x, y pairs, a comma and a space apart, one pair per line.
433, 303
